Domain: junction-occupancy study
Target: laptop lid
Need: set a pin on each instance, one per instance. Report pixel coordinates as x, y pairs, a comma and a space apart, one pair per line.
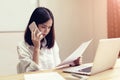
105, 58
106, 54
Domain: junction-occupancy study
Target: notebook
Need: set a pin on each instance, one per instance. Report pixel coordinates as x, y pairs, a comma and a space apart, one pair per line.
44, 76
105, 58
76, 54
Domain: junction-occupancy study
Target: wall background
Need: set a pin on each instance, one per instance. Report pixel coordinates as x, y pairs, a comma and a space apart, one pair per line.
75, 22
78, 21
15, 15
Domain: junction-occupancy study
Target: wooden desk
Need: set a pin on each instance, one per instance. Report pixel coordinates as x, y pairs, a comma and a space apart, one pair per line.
113, 74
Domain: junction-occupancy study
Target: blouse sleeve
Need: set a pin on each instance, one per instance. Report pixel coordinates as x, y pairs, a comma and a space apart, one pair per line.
56, 54
26, 63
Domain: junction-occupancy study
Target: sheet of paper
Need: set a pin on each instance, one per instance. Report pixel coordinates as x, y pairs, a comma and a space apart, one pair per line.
44, 76
77, 53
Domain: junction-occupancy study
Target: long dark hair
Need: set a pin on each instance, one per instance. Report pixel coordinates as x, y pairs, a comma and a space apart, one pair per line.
41, 15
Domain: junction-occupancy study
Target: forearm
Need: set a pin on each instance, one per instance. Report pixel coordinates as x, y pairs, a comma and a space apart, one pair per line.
36, 55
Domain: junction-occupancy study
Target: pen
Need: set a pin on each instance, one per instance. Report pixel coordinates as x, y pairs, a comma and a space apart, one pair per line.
80, 76
76, 75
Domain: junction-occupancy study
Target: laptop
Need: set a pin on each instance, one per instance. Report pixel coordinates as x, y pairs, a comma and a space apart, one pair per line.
75, 55
105, 58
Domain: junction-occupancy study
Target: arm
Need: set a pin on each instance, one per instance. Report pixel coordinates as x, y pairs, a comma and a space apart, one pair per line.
36, 55
29, 60
36, 42
26, 63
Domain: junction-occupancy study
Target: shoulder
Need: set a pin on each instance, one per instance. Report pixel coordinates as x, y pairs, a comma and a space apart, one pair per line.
55, 44
24, 49
55, 47
23, 45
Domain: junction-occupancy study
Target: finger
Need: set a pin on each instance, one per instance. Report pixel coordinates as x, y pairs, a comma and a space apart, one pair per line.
41, 36
33, 35
81, 60
77, 61
38, 35
35, 30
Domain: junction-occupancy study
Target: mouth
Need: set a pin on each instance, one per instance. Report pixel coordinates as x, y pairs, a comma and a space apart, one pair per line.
44, 35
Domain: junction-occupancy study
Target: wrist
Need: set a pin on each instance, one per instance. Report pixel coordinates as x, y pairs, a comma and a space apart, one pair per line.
36, 55
36, 50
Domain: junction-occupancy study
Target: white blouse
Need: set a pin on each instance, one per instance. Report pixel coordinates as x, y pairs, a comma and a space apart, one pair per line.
48, 59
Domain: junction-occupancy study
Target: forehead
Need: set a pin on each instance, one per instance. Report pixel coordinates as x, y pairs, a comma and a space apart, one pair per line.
48, 23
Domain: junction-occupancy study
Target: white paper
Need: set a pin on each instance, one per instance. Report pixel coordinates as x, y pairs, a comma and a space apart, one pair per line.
44, 76
77, 53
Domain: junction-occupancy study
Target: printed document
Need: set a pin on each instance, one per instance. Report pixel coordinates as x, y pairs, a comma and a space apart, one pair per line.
76, 54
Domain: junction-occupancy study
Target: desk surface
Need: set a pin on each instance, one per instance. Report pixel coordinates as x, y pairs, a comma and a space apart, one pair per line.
112, 74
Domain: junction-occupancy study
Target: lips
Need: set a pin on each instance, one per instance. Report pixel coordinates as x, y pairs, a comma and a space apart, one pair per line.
44, 35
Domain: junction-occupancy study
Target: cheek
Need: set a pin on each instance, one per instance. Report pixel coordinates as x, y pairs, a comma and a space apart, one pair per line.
48, 31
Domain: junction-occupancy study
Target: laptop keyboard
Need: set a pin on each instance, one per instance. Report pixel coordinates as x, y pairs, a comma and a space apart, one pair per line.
78, 69
88, 69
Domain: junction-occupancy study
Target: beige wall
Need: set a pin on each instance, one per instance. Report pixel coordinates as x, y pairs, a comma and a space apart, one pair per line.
76, 21
8, 52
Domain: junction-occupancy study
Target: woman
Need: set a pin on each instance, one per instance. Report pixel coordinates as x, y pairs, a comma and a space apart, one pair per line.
36, 52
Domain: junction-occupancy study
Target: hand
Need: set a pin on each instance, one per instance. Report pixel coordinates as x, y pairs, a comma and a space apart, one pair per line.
78, 61
36, 38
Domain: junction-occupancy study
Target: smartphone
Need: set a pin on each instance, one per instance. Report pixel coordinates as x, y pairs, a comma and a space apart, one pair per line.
33, 26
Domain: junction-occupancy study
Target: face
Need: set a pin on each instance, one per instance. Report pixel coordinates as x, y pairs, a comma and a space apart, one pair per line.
45, 27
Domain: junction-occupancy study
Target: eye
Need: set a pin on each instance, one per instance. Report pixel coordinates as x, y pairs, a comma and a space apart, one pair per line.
43, 26
49, 27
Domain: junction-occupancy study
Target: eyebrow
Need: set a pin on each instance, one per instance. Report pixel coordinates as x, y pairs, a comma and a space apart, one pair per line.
46, 25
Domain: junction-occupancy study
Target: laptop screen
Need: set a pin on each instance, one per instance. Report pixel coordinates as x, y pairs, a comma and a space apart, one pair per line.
105, 58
